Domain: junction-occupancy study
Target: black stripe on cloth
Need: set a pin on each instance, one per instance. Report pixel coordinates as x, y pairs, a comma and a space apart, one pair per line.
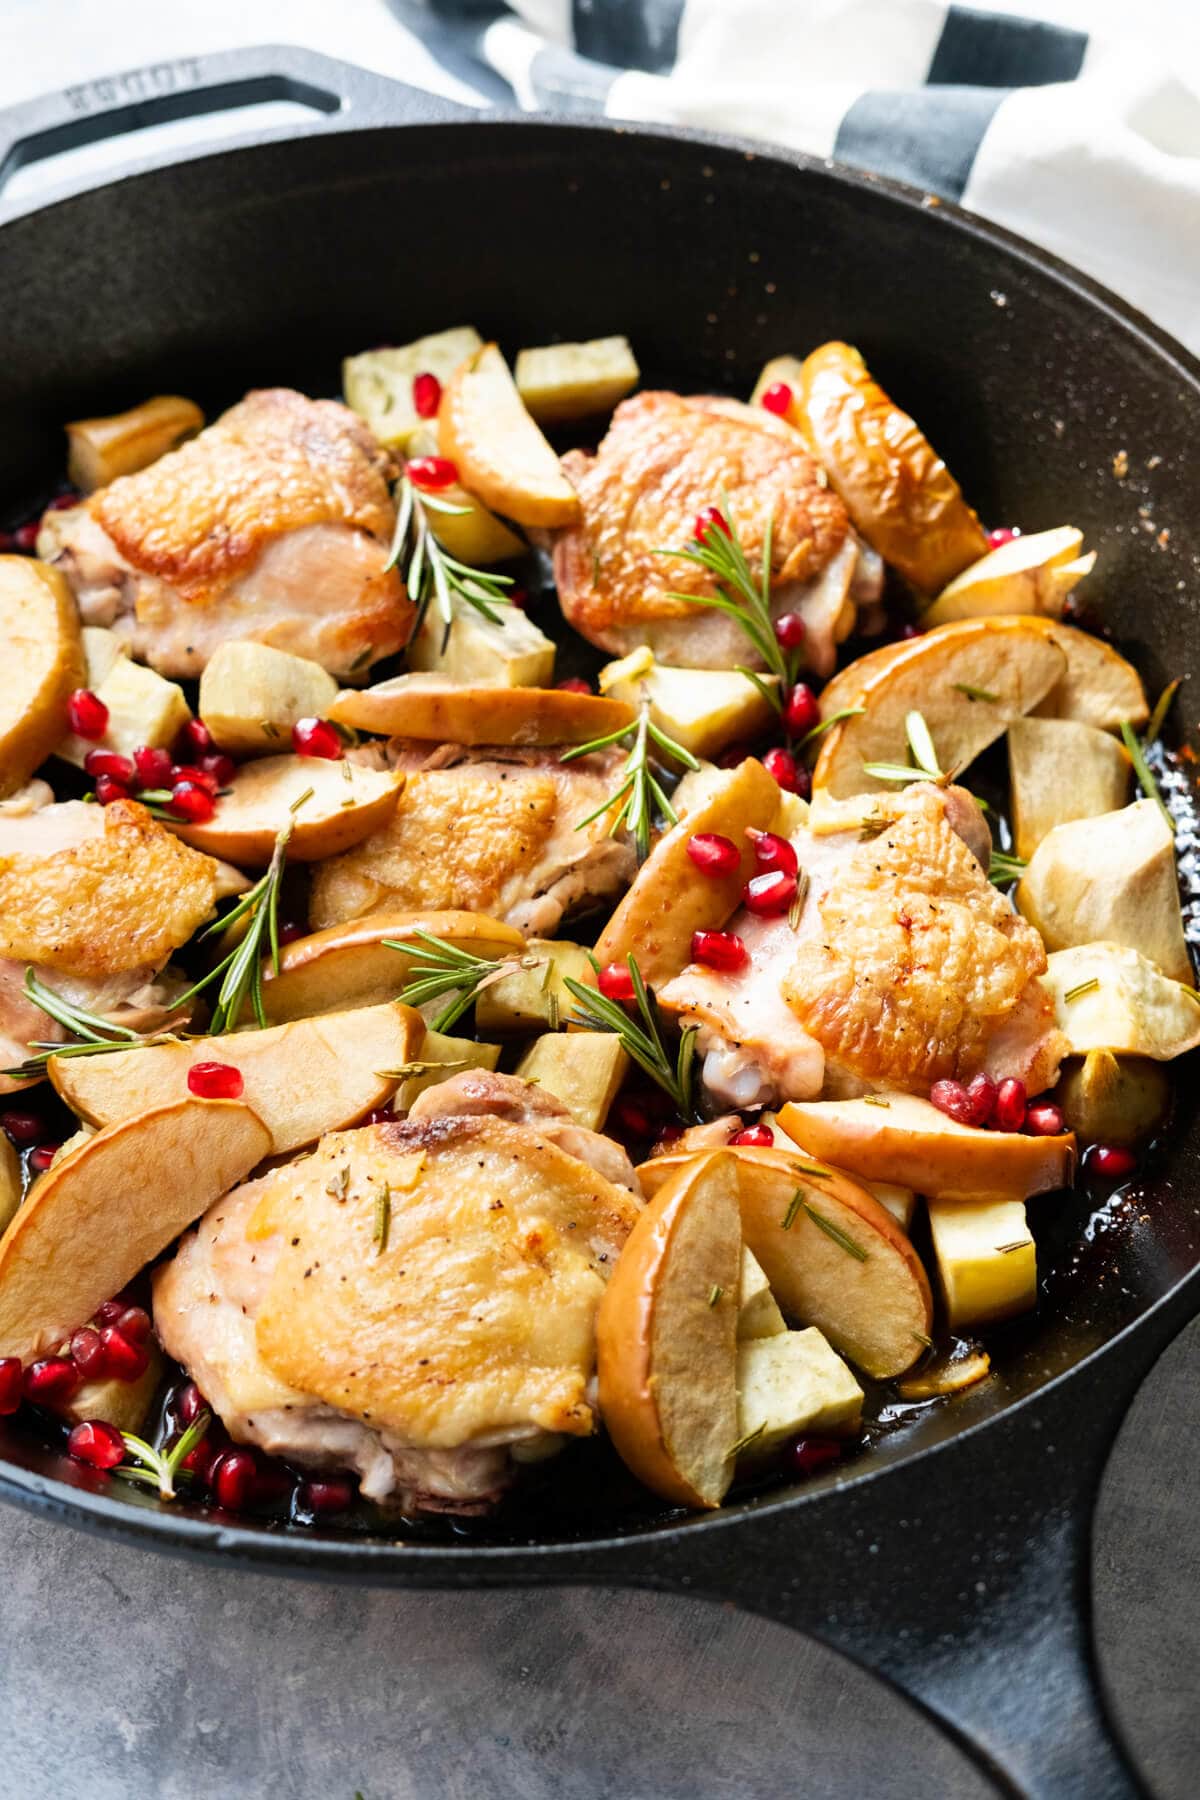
453, 31
565, 83
629, 34
927, 136
983, 49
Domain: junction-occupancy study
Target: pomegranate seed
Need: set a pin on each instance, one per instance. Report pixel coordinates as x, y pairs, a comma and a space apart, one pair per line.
757, 1137
108, 790
1111, 1161
192, 802
291, 930
709, 519
808, 1454
432, 472
791, 776
1008, 1113
109, 1311
518, 597
802, 711
316, 737
189, 1403
97, 1443
215, 1081
202, 1459
616, 982
108, 762
768, 895
981, 1095
25, 537
381, 1115
202, 778
735, 756
427, 395
574, 684
330, 1494
11, 1383
777, 398
910, 630
61, 502
1003, 534
631, 1117
51, 1381
235, 1480
951, 1098
87, 714
222, 768
41, 1158
134, 1324
21, 1127
714, 855
667, 1134
722, 950
1044, 1119
194, 739
152, 766
773, 852
87, 1353
790, 630
123, 1361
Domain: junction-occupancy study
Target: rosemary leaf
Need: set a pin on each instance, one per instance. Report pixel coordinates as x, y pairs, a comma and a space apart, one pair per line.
875, 1100
641, 1037
920, 742
1141, 769
1162, 707
794, 1205
837, 1234
1005, 867
744, 1443
714, 1294
430, 572
974, 693
847, 712
383, 1219
1083, 987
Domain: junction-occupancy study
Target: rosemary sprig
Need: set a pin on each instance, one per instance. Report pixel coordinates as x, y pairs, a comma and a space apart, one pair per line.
159, 1468
924, 766
841, 1238
743, 595
443, 968
1004, 866
1141, 768
642, 1041
430, 572
1162, 707
240, 973
90, 1034
638, 791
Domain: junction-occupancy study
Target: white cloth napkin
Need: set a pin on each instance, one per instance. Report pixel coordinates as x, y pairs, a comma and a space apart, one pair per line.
1088, 143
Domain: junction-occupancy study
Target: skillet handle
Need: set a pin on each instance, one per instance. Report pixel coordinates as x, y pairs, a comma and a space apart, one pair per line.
338, 94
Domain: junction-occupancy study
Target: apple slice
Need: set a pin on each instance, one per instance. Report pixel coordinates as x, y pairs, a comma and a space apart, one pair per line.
668, 900
790, 1384
100, 450
452, 712
351, 965
1031, 574
302, 1079
95, 1220
666, 1336
499, 451
1060, 770
345, 803
43, 661
834, 1257
904, 1139
1111, 997
1099, 687
969, 680
11, 1185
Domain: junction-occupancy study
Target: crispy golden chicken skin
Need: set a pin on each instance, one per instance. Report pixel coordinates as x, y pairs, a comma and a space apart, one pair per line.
664, 457
274, 525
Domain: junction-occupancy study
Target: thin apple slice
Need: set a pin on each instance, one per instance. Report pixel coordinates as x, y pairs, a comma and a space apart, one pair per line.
668, 901
43, 661
332, 806
666, 1336
302, 1079
1099, 687
1060, 770
499, 451
969, 680
92, 1222
453, 712
904, 1139
351, 965
834, 1257
1032, 574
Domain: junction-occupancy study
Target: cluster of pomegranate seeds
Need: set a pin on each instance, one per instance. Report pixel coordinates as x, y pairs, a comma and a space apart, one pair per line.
777, 398
615, 982
713, 854
641, 1112
808, 1454
971, 1104
431, 472
754, 1137
1004, 1107
790, 774
188, 782
427, 395
1003, 534
790, 631
316, 737
97, 1443
215, 1081
1113, 1162
723, 950
87, 714
709, 519
801, 711
12, 1382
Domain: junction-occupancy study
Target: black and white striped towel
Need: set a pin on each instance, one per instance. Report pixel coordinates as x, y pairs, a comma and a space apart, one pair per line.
1090, 145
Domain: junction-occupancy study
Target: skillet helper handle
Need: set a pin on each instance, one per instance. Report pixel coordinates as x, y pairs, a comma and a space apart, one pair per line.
339, 95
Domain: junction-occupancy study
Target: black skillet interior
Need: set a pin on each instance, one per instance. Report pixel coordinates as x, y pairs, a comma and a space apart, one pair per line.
266, 264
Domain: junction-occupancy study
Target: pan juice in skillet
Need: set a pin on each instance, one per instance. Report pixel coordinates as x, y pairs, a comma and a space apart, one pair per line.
628, 956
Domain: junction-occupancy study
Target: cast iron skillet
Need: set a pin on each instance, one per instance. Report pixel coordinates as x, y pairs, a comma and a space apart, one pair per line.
953, 1560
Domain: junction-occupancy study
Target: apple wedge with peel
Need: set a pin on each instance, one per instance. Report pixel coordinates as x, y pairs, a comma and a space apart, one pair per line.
95, 1220
498, 449
834, 1257
1099, 686
902, 1138
43, 661
352, 965
1029, 574
666, 1336
331, 806
302, 1079
444, 711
